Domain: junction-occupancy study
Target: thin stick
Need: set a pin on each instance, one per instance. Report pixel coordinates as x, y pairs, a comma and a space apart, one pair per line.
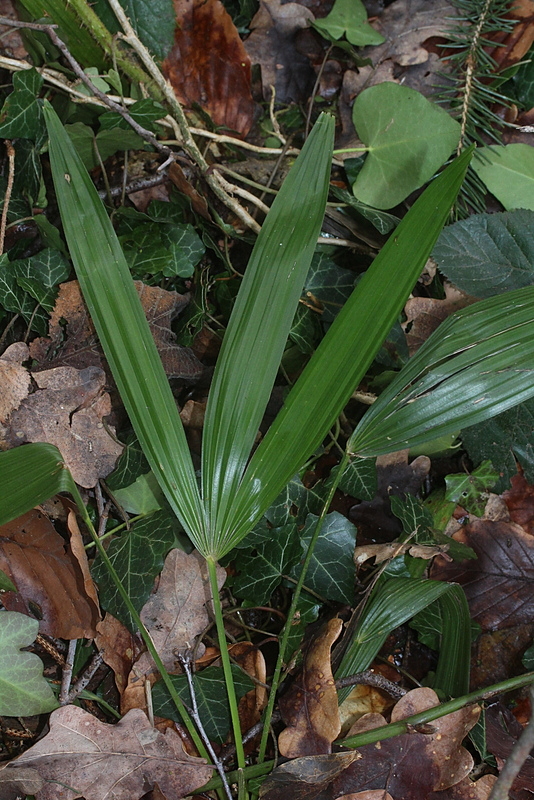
85, 679
516, 759
185, 661
9, 189
66, 676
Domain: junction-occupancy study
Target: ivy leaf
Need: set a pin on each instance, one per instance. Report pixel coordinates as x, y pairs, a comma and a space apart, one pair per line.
107, 142
131, 464
143, 496
292, 496
40, 274
212, 702
23, 690
359, 478
328, 284
331, 571
471, 491
146, 112
349, 18
153, 20
408, 139
21, 115
381, 220
508, 172
261, 571
488, 253
502, 440
137, 556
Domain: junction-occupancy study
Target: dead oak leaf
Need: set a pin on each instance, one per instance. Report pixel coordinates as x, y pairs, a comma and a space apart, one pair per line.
82, 756
176, 613
22, 782
48, 578
425, 314
304, 778
67, 411
310, 707
209, 66
14, 379
72, 339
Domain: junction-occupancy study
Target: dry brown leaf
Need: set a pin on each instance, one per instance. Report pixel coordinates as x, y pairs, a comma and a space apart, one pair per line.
251, 660
271, 44
425, 314
176, 613
372, 794
383, 552
310, 707
13, 783
80, 554
72, 340
14, 379
362, 700
82, 756
67, 412
48, 578
198, 202
119, 649
468, 790
305, 778
209, 66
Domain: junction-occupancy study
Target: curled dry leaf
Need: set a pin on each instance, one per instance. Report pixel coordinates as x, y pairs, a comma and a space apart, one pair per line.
48, 578
306, 777
119, 649
82, 756
209, 66
383, 552
425, 314
310, 707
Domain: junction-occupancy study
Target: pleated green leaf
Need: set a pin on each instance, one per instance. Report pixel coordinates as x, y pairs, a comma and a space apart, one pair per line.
394, 602
344, 354
259, 326
452, 674
123, 331
30, 474
478, 363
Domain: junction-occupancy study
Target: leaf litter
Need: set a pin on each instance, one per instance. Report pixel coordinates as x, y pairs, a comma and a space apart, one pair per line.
137, 757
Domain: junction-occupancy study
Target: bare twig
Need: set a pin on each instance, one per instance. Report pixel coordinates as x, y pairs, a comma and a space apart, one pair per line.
7, 196
516, 759
370, 678
185, 661
86, 678
66, 676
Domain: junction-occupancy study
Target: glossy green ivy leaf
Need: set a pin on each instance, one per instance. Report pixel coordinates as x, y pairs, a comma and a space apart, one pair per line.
212, 702
502, 440
471, 490
153, 20
143, 496
261, 570
349, 18
327, 286
23, 690
408, 139
508, 172
131, 464
359, 478
488, 253
331, 570
146, 112
21, 114
137, 556
107, 142
39, 275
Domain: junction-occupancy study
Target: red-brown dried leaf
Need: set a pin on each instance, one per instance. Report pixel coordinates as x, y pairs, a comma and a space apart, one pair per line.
82, 756
499, 583
502, 733
425, 314
48, 578
305, 778
119, 648
520, 502
209, 66
468, 790
310, 707
514, 45
14, 379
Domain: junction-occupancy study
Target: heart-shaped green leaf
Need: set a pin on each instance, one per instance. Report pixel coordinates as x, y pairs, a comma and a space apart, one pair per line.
508, 172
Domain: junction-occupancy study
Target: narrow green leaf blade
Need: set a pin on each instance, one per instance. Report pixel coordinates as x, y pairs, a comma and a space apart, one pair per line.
259, 326
30, 474
394, 602
345, 353
478, 363
452, 674
123, 330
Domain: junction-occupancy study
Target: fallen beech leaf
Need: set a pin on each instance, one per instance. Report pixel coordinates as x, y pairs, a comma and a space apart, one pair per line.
520, 502
305, 777
498, 584
73, 341
80, 554
14, 784
198, 202
176, 613
512, 46
209, 66
310, 707
48, 578
271, 44
363, 700
425, 314
82, 756
250, 706
68, 412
